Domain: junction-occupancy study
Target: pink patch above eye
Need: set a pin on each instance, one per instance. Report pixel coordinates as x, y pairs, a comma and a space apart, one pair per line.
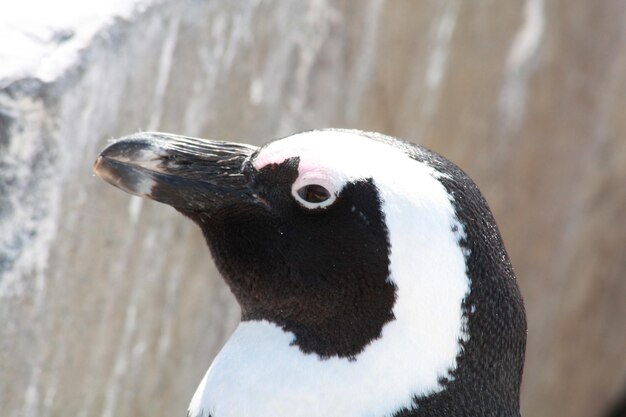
313, 175
304, 167
263, 161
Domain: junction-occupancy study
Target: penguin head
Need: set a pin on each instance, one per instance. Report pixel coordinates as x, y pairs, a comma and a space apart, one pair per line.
350, 241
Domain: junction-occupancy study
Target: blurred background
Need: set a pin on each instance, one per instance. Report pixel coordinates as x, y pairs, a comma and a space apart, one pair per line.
111, 306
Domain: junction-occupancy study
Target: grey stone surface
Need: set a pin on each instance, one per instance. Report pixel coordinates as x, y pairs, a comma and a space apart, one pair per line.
111, 305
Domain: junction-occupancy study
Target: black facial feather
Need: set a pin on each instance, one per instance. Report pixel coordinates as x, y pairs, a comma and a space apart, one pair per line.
320, 274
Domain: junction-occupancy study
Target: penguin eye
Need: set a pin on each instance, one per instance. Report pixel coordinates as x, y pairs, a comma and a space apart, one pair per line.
314, 193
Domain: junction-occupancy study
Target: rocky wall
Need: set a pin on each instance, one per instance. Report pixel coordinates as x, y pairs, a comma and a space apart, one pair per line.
111, 305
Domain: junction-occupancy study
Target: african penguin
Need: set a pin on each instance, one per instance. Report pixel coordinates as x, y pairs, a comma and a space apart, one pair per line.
371, 275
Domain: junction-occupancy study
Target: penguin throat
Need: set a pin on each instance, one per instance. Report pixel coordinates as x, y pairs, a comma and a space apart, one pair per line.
263, 370
334, 327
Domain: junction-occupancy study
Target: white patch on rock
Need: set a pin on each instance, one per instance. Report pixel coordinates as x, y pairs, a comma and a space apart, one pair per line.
256, 91
521, 64
42, 39
135, 205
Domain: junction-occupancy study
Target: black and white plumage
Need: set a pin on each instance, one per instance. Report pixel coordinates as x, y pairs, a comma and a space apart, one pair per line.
370, 273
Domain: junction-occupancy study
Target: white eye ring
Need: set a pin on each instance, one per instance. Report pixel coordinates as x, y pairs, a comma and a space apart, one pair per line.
314, 193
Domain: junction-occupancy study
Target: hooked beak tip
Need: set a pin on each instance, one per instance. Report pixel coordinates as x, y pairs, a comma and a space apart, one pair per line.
123, 176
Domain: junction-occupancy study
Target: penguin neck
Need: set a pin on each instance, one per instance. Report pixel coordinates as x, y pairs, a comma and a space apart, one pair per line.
415, 368
343, 329
415, 354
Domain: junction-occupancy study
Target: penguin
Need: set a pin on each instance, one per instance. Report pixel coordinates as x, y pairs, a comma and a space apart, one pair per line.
371, 275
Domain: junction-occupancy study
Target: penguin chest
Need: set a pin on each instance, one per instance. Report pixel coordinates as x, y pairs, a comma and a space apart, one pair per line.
261, 373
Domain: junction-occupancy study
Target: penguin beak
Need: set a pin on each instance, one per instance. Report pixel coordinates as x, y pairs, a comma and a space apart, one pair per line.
189, 174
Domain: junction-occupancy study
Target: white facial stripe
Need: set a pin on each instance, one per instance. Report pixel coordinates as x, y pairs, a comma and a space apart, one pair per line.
339, 156
260, 373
